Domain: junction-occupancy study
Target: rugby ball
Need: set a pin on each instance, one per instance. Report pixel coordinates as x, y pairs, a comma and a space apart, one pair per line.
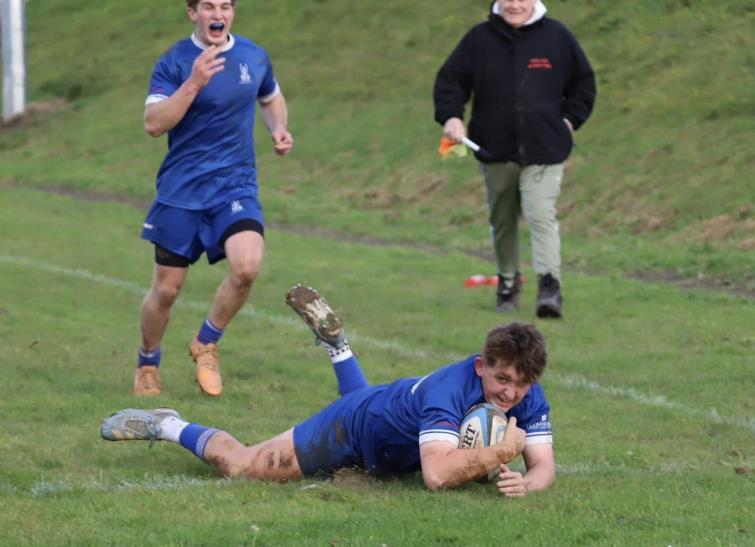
482, 425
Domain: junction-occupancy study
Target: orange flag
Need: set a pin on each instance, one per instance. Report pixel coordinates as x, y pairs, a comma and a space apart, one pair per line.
450, 147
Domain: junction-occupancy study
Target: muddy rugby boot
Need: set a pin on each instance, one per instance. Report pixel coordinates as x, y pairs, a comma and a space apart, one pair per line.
317, 314
132, 424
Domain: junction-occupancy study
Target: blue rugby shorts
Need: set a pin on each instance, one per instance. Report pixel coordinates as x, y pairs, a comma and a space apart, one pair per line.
189, 233
334, 437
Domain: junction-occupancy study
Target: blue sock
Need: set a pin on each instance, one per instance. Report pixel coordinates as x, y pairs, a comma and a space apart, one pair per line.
348, 372
195, 437
151, 358
209, 333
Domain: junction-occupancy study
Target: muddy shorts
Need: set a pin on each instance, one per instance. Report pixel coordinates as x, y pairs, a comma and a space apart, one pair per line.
334, 437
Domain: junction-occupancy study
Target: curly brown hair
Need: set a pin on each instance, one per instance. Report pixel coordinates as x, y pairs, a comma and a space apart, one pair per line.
517, 344
193, 4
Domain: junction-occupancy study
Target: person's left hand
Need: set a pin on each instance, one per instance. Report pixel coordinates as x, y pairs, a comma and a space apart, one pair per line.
511, 483
283, 142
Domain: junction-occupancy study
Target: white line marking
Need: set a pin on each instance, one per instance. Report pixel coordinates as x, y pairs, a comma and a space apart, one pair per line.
665, 468
249, 310
71, 272
576, 382
572, 382
45, 488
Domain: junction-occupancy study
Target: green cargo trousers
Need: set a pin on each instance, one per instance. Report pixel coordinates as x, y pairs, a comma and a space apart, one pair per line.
532, 190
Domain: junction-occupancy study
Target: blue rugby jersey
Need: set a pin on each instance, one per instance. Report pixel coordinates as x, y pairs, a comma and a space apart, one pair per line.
404, 414
210, 157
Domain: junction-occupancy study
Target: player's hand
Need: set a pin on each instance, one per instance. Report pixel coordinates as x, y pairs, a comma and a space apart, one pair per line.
570, 126
206, 66
283, 142
511, 483
454, 129
513, 436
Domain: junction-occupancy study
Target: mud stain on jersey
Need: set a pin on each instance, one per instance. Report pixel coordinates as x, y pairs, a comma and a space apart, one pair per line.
342, 436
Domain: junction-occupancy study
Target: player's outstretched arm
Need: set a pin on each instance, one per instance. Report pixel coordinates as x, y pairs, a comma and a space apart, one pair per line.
541, 472
446, 466
165, 115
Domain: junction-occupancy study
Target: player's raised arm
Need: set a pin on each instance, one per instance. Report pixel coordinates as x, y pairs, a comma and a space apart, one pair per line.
165, 115
446, 466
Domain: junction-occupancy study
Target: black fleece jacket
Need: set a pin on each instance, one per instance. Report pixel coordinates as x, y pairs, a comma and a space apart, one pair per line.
523, 83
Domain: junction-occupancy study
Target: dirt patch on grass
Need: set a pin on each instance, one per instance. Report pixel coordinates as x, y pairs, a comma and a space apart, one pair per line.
35, 112
429, 183
701, 281
354, 479
96, 196
729, 227
718, 228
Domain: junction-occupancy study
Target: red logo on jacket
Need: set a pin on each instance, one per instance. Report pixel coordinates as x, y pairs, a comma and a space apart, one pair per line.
540, 62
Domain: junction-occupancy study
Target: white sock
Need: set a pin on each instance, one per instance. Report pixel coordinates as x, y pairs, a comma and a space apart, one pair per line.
171, 428
339, 354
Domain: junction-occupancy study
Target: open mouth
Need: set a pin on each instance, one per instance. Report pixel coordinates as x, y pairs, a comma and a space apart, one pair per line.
217, 27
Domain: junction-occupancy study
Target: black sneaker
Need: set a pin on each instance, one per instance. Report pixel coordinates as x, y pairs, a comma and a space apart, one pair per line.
549, 298
509, 290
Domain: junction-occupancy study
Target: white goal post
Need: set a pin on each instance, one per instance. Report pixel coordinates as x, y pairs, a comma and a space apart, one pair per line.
12, 28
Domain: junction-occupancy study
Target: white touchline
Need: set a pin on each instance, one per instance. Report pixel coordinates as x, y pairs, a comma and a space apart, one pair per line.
572, 381
577, 382
248, 310
51, 487
44, 488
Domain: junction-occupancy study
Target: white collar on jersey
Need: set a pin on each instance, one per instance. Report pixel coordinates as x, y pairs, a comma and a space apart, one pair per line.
200, 45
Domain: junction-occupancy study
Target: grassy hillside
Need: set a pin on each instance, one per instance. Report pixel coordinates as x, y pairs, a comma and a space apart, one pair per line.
664, 166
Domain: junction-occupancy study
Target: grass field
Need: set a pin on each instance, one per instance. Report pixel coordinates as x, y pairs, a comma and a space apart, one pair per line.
651, 385
652, 397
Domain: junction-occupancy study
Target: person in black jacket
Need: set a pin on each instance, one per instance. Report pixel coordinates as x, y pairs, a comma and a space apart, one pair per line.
531, 87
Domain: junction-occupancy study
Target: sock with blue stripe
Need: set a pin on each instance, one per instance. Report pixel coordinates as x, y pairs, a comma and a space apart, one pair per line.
194, 437
209, 333
346, 366
149, 358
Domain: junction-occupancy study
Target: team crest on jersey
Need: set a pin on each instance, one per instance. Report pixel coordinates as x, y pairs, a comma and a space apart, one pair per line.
236, 207
245, 77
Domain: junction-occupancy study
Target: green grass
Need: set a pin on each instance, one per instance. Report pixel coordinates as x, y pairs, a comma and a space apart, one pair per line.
651, 386
651, 396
